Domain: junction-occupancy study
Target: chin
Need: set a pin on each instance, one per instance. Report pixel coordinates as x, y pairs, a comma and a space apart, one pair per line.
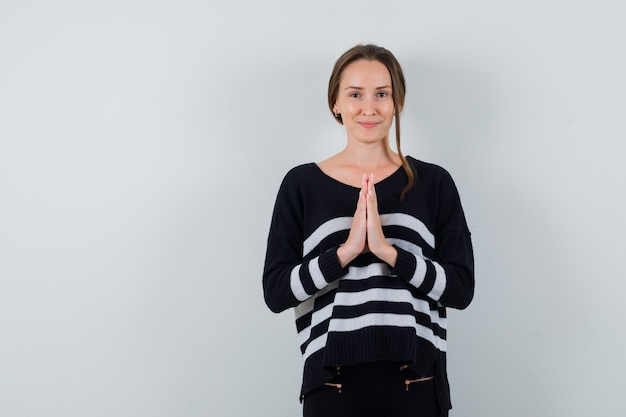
369, 140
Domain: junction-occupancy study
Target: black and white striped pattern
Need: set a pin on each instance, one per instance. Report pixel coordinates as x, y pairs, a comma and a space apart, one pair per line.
311, 315
369, 311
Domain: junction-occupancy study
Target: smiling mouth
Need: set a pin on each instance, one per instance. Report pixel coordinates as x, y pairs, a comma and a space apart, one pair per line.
368, 125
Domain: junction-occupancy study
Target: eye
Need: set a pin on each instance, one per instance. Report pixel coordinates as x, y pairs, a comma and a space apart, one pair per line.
382, 94
354, 94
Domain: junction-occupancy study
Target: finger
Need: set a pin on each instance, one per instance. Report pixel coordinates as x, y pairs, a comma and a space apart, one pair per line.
364, 184
371, 193
361, 202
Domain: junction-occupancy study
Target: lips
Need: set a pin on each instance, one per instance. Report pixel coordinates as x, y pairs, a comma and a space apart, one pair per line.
368, 125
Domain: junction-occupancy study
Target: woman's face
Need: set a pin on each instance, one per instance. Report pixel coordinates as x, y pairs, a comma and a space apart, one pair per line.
365, 101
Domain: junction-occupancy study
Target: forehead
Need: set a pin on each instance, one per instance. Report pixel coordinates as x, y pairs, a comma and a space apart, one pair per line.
363, 73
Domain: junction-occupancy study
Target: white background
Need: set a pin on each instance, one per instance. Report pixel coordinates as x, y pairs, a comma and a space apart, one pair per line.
142, 145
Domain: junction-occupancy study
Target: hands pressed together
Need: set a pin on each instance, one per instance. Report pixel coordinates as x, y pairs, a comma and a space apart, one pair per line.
366, 232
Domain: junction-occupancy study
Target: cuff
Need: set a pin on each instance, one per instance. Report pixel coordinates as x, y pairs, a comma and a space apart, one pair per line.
330, 266
405, 264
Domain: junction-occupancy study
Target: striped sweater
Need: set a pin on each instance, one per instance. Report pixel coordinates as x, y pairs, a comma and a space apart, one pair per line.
369, 311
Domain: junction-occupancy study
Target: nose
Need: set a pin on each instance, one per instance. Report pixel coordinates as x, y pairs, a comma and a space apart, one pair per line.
369, 106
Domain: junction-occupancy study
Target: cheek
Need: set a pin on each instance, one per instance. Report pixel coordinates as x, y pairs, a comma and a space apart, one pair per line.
349, 105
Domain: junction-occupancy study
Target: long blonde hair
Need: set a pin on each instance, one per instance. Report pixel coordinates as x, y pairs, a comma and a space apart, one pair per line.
375, 53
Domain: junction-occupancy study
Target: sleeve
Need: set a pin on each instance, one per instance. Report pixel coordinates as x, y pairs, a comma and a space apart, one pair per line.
288, 278
448, 277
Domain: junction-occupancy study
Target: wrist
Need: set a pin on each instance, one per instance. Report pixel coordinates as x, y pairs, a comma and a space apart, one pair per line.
389, 255
345, 255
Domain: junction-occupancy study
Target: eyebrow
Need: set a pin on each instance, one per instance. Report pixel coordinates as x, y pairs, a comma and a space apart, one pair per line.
362, 88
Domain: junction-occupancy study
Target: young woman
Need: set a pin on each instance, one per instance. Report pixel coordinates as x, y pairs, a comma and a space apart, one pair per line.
369, 247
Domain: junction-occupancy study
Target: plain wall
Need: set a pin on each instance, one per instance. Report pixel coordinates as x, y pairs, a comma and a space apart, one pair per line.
142, 145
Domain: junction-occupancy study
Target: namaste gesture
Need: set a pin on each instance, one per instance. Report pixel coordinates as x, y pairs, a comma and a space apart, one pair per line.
366, 232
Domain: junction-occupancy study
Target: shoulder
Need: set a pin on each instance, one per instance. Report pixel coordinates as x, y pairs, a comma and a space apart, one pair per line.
436, 182
302, 170
300, 173
427, 171
298, 177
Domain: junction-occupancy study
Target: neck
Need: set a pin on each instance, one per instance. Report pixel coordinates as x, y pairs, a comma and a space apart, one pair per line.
370, 156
